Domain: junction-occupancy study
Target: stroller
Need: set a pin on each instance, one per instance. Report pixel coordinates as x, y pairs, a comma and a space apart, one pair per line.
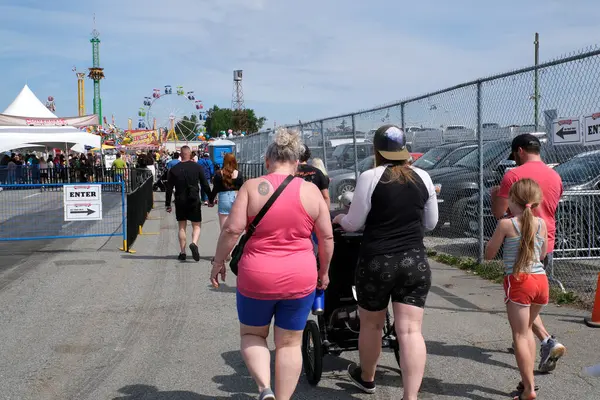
160, 185
337, 329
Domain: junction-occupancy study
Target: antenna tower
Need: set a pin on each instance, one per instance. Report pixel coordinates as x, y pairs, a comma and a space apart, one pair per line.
237, 103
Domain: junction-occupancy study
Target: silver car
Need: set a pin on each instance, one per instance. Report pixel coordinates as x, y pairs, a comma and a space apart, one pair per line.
344, 180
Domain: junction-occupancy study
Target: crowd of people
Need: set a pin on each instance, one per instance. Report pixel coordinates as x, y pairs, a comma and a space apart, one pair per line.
286, 255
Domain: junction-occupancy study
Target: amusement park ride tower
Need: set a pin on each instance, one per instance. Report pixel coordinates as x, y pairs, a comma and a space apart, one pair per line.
96, 73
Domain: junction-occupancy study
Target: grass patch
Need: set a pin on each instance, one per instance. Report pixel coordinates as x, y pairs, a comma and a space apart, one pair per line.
494, 271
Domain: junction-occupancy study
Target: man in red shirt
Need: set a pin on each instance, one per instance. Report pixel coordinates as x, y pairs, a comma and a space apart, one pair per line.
525, 151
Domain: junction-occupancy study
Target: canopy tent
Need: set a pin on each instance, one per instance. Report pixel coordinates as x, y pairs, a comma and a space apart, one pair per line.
32, 125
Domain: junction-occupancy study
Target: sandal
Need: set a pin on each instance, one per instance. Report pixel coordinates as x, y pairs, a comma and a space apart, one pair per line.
520, 397
521, 387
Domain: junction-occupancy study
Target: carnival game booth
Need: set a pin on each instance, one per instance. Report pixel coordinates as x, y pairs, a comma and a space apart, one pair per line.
28, 123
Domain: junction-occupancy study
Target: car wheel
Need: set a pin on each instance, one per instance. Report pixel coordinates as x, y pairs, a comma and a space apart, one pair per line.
346, 186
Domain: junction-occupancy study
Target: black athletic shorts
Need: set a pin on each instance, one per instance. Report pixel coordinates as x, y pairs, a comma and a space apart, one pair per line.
184, 212
404, 277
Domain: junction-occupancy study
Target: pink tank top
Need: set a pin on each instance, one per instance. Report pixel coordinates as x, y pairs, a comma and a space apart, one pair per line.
278, 261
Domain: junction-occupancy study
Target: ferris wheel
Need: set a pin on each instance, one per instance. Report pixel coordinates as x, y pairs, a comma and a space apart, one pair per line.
177, 110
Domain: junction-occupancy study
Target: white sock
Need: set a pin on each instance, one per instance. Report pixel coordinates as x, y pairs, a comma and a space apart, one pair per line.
545, 341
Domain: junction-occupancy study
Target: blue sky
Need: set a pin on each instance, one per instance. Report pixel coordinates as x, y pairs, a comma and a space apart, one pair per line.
304, 60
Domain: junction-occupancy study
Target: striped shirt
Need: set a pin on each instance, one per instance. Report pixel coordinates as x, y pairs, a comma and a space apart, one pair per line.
511, 251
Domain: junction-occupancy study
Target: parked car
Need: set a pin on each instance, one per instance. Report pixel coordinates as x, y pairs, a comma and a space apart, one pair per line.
577, 226
344, 180
444, 156
343, 155
457, 183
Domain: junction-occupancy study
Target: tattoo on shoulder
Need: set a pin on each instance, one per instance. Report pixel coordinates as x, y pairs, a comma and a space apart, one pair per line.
263, 188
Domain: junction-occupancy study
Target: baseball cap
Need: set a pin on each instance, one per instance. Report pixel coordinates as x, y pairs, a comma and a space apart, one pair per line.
390, 142
526, 141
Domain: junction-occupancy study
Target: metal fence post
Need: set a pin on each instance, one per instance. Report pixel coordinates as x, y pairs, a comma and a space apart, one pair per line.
124, 216
402, 115
480, 147
323, 139
355, 148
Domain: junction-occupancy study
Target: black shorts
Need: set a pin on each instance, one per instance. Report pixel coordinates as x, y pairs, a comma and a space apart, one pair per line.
404, 277
184, 212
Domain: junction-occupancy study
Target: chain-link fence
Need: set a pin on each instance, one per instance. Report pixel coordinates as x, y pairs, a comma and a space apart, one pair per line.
461, 136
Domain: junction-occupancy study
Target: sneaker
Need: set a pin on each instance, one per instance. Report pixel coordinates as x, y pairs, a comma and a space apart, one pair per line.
266, 394
354, 372
550, 353
181, 257
195, 252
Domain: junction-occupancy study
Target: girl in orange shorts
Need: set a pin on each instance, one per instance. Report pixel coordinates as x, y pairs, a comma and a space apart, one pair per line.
524, 238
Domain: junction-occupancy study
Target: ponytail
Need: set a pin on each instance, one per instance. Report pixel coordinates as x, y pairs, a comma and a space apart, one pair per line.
527, 245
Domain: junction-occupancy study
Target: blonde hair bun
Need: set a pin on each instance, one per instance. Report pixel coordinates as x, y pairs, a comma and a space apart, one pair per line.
287, 138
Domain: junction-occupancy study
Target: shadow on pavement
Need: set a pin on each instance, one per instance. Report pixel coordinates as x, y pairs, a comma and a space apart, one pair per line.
473, 353
146, 392
334, 369
223, 288
461, 390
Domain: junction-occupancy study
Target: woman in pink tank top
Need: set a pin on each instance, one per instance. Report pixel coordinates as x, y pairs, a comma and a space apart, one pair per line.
278, 271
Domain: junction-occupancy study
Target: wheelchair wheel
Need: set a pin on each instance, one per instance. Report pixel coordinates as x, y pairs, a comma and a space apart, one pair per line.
312, 353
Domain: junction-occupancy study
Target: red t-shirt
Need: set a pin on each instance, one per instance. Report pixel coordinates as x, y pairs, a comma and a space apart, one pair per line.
552, 189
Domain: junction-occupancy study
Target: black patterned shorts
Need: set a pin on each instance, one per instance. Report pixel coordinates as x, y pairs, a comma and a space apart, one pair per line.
404, 277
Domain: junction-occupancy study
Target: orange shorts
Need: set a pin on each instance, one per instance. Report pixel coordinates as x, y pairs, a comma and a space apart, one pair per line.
529, 289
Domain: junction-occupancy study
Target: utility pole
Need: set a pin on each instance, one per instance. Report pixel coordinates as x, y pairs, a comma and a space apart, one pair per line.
536, 90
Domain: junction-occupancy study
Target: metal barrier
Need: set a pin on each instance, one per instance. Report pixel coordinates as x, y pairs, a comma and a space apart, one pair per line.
476, 121
50, 177
68, 211
139, 203
252, 170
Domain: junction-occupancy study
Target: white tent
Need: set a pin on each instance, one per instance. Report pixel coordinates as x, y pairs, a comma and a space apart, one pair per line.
27, 105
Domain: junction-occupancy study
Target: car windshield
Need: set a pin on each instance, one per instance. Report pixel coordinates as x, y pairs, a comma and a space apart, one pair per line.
491, 152
339, 150
365, 164
580, 170
457, 155
431, 158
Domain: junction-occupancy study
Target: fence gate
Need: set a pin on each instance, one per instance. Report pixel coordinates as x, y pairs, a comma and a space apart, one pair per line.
62, 211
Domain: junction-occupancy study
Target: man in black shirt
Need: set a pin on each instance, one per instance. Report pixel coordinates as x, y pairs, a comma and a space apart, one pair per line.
313, 175
184, 177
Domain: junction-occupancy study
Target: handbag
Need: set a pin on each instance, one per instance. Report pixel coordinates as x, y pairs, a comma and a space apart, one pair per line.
238, 250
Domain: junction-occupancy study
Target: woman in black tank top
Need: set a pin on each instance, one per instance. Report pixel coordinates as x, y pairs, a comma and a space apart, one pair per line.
395, 203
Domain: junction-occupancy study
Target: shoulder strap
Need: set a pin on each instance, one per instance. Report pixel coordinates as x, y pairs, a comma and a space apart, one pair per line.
268, 205
515, 224
539, 226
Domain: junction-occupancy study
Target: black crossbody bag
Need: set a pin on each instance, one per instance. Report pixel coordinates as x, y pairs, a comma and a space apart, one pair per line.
238, 250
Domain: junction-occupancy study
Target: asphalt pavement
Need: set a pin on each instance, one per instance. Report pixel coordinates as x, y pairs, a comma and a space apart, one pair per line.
81, 320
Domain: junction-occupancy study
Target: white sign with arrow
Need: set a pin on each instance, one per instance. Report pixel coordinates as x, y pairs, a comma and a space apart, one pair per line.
83, 202
566, 131
83, 212
591, 133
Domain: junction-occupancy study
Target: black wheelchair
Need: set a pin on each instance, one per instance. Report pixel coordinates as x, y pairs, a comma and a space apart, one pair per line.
336, 329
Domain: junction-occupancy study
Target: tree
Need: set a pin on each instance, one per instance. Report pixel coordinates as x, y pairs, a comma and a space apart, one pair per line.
223, 119
187, 128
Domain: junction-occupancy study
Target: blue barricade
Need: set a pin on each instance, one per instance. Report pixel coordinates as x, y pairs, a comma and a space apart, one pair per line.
63, 211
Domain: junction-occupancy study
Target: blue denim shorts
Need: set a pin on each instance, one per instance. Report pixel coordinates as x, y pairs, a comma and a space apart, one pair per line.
290, 315
226, 200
